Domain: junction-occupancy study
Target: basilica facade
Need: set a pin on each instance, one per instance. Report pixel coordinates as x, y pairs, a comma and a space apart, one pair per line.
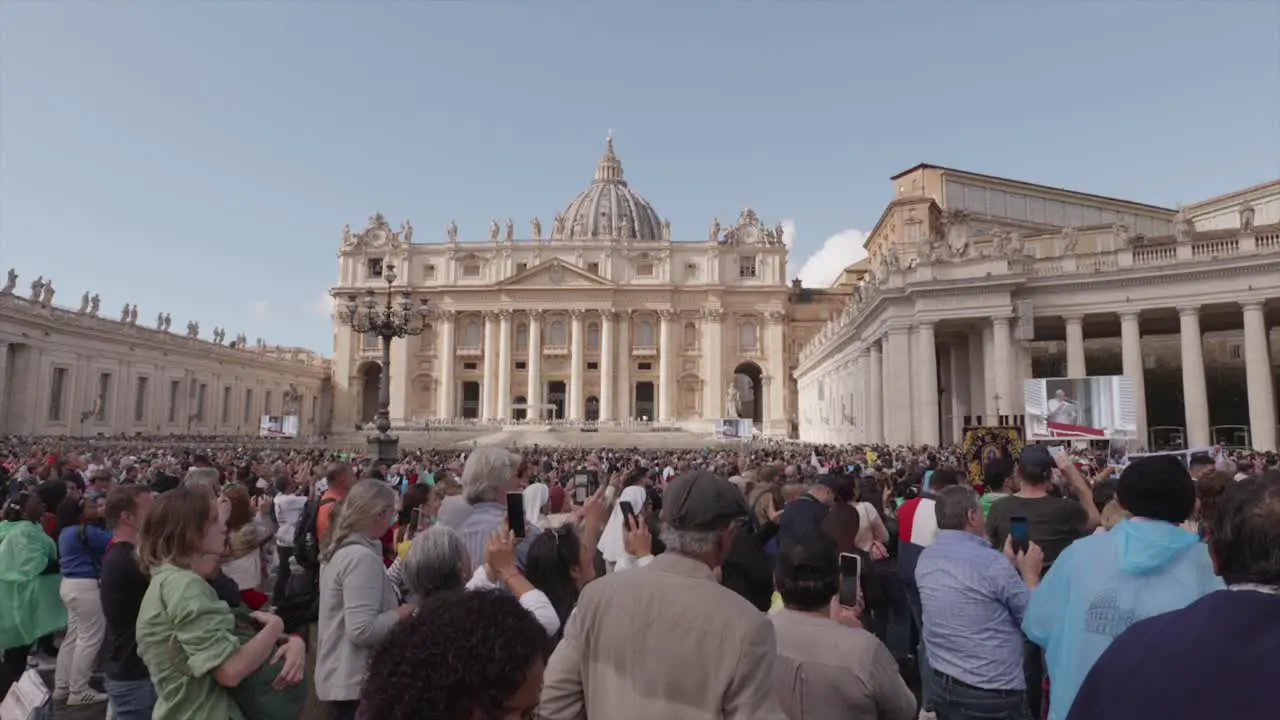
600, 315
975, 283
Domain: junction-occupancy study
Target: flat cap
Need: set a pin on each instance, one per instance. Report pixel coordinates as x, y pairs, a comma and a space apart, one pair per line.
702, 500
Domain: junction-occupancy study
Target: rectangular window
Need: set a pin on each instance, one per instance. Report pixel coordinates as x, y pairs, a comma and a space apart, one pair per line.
593, 366
226, 405
470, 366
248, 405
429, 272
57, 387
593, 267
266, 403
140, 400
471, 270
521, 365
104, 395
201, 392
175, 387
644, 269
645, 366
374, 270
747, 267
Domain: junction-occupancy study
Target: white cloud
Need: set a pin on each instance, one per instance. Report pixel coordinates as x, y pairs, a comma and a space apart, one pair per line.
322, 306
789, 233
260, 312
838, 252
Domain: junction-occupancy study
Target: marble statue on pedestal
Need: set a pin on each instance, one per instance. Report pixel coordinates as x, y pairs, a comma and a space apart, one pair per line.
493, 230
124, 313
160, 321
95, 303
451, 231
37, 287
133, 315
10, 283
168, 322
731, 399
47, 298
84, 303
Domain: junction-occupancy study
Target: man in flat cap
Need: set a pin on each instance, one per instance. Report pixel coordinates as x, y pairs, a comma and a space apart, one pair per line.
667, 640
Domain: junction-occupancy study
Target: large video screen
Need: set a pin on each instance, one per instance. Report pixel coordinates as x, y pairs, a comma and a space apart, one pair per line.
1088, 408
278, 426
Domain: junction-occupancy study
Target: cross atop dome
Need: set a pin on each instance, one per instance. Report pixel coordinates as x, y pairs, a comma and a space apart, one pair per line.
609, 169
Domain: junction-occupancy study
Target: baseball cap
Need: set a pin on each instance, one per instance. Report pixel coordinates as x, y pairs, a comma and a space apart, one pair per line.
702, 500
812, 556
1036, 459
1200, 458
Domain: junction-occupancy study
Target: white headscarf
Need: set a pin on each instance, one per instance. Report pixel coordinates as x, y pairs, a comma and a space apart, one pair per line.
610, 544
535, 497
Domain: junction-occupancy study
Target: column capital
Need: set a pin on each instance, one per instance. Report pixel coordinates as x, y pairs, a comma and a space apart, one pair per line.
665, 314
1188, 310
777, 316
489, 314
608, 313
898, 330
998, 320
577, 313
504, 314
922, 324
1073, 318
714, 315
446, 314
1130, 315
534, 314
1248, 305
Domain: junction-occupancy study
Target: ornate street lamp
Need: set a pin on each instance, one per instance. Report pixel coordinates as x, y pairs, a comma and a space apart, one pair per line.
392, 320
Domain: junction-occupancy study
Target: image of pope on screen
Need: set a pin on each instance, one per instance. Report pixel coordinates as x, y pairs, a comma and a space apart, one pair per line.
1080, 408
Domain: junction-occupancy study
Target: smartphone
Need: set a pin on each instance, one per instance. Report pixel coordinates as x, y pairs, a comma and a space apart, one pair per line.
580, 489
515, 513
628, 513
850, 579
1018, 531
415, 517
1055, 450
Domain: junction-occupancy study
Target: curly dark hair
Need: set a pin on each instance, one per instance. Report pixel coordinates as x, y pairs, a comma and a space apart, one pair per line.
463, 652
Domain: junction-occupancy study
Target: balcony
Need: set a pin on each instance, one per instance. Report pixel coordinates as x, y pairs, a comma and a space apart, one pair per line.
644, 351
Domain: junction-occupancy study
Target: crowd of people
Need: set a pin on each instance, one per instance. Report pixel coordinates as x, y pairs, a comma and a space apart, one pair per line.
758, 581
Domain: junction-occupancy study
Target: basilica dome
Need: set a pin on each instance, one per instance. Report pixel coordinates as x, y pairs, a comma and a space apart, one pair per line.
608, 209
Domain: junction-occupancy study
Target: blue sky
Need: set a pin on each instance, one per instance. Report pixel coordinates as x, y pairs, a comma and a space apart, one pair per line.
202, 158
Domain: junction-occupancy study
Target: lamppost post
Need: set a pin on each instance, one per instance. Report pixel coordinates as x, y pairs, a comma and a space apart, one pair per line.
391, 320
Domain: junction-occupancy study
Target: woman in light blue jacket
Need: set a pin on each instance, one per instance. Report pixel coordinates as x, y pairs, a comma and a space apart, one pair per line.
358, 605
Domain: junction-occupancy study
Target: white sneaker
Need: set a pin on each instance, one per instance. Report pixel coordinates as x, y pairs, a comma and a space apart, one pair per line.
88, 697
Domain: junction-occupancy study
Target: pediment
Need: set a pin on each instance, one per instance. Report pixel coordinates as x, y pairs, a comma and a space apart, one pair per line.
555, 273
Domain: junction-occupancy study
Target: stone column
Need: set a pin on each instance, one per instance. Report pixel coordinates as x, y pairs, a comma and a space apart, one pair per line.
897, 425
875, 387
623, 381
1195, 393
577, 358
1131, 362
401, 385
607, 355
6, 407
959, 385
1076, 364
504, 365
666, 367
927, 402
990, 381
446, 407
713, 363
775, 347
1002, 344
977, 375
488, 388
1259, 377
533, 395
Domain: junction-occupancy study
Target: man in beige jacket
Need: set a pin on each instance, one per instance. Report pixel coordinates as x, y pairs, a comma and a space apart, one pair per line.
666, 640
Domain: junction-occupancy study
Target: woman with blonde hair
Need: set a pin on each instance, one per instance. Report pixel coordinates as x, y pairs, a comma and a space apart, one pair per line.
357, 601
186, 636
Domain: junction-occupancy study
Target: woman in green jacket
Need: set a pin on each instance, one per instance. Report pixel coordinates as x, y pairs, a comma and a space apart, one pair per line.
30, 606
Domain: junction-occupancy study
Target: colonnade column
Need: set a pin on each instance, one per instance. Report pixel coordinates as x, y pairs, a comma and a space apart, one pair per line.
713, 354
666, 342
1131, 365
977, 375
1076, 363
504, 365
897, 424
489, 388
1195, 393
533, 394
961, 390
5, 406
875, 385
927, 367
776, 387
990, 381
577, 401
623, 381
1258, 377
445, 406
1002, 345
607, 353
399, 389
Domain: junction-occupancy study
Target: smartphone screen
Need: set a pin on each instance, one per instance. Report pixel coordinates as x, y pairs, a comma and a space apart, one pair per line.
628, 513
850, 578
1055, 450
415, 517
1018, 532
581, 488
515, 513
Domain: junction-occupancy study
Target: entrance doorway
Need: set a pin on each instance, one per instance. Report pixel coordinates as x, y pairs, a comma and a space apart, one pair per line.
555, 396
644, 407
370, 378
517, 412
746, 380
471, 400
593, 408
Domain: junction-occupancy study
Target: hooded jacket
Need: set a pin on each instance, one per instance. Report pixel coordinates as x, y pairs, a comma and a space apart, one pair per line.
1100, 585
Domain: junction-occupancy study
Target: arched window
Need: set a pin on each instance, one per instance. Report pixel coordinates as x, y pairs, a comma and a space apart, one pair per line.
522, 336
593, 336
747, 335
644, 334
556, 335
690, 335
471, 334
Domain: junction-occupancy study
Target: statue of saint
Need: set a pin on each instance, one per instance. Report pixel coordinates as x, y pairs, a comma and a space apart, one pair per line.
666, 230
731, 398
1246, 217
347, 239
537, 228
557, 226
10, 283
511, 230
84, 302
493, 230
124, 313
37, 288
406, 231
715, 230
95, 303
168, 321
160, 321
47, 299
133, 315
451, 231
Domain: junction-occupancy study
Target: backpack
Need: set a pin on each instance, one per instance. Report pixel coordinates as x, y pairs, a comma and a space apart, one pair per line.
300, 605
